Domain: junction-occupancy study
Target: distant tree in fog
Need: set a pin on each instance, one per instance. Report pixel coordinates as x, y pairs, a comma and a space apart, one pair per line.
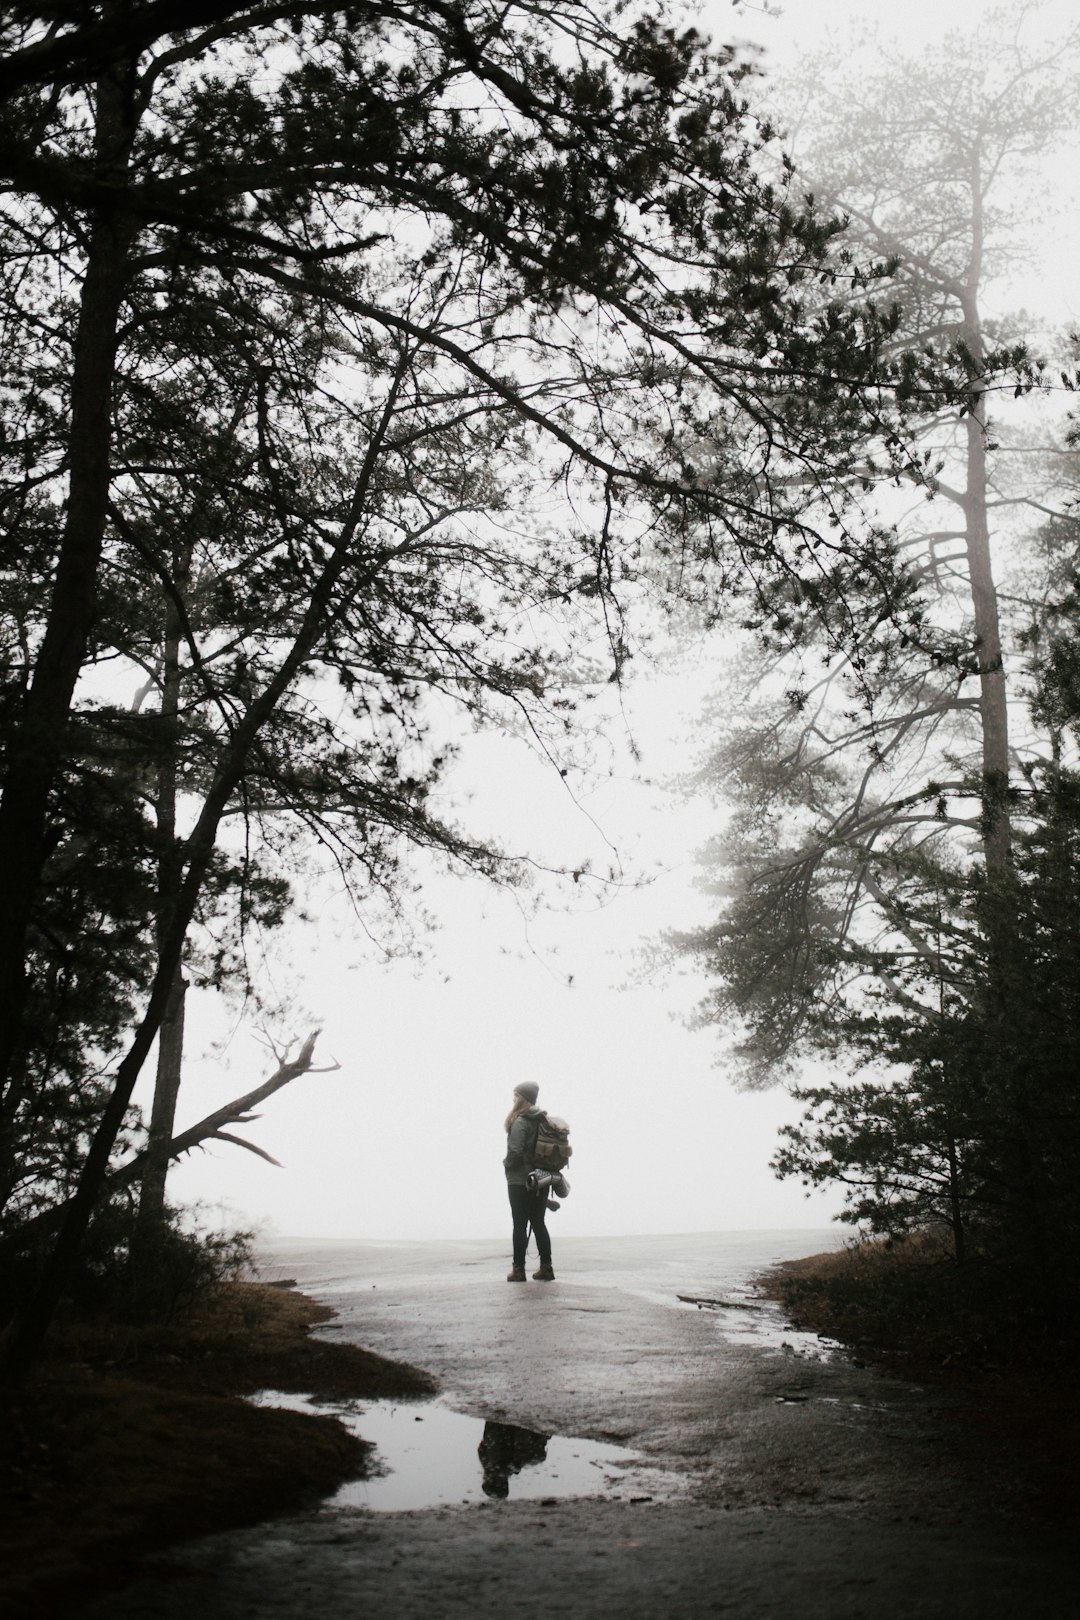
866, 883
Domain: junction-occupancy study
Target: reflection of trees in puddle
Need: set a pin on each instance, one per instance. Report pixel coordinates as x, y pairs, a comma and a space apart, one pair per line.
504, 1450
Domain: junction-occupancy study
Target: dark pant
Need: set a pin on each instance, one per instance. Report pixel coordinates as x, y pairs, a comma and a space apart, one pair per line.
525, 1207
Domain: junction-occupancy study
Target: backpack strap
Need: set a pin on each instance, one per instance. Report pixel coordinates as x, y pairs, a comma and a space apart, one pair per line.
529, 1154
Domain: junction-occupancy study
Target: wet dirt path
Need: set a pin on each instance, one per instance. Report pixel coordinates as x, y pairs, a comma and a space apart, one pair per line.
784, 1482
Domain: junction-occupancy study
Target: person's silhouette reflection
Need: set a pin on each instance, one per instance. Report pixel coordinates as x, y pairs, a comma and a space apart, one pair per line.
504, 1450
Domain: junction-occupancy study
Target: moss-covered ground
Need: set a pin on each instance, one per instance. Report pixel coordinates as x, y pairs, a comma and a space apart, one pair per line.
129, 1438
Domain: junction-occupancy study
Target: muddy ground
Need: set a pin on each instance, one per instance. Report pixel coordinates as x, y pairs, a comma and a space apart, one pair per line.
792, 1482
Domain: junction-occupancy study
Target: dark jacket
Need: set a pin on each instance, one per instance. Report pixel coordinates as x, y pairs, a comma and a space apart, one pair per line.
520, 1144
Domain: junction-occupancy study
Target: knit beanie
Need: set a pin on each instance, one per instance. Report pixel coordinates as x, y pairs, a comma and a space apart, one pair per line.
528, 1089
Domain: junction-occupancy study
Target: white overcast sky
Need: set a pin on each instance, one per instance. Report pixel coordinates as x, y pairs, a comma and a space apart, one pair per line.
404, 1140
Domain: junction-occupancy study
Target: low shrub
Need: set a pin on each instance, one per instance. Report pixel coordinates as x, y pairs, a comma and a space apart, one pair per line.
909, 1297
125, 1273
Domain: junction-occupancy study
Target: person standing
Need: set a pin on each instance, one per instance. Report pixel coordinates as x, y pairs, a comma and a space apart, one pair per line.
527, 1207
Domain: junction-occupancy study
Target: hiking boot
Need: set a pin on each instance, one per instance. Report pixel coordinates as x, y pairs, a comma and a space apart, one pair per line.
545, 1274
516, 1274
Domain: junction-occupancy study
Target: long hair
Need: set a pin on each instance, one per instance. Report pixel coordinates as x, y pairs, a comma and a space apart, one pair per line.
521, 1106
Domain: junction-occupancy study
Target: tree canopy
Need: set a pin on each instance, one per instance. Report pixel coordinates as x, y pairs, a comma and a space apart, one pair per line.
356, 356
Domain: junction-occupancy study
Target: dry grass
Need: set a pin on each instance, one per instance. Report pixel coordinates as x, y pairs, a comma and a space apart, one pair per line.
875, 1295
128, 1439
907, 1298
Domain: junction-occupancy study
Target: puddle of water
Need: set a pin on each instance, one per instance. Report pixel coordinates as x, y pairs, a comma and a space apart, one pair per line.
433, 1457
776, 1335
760, 1322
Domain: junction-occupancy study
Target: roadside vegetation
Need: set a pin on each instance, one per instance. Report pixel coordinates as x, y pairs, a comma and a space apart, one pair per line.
132, 1436
905, 1302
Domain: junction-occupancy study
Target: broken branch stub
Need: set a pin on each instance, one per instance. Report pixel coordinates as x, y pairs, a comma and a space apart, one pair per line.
237, 1112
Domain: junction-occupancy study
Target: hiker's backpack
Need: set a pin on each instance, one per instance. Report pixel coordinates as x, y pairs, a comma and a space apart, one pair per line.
552, 1149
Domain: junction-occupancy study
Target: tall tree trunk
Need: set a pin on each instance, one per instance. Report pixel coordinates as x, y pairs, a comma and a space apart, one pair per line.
170, 876
38, 743
1019, 1156
170, 1061
993, 707
993, 701
956, 1206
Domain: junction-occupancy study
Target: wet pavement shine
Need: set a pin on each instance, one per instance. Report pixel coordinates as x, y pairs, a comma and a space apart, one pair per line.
602, 1447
